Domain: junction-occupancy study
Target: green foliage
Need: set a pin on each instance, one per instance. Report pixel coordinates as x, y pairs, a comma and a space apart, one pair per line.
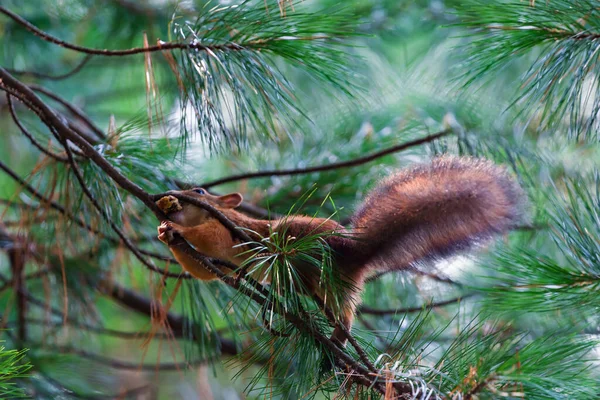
503, 364
13, 366
568, 280
234, 85
286, 262
560, 42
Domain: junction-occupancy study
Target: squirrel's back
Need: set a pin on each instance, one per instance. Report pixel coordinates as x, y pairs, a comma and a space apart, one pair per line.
435, 210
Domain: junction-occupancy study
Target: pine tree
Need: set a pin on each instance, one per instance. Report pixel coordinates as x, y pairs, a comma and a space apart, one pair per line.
106, 105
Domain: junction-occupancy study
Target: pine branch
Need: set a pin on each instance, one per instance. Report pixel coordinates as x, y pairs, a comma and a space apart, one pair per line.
561, 40
105, 52
107, 218
13, 366
226, 53
250, 44
568, 280
342, 359
49, 117
253, 291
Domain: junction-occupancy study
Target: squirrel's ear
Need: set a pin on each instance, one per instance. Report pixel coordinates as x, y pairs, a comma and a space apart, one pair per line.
231, 200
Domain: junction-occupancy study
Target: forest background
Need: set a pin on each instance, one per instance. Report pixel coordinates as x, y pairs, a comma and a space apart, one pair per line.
107, 103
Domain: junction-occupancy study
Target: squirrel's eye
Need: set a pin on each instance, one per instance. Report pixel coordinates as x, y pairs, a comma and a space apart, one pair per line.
200, 191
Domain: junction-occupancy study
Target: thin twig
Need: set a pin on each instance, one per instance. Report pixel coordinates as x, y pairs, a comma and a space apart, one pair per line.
393, 311
257, 43
124, 394
246, 207
96, 329
15, 204
28, 134
429, 274
328, 167
66, 75
44, 305
554, 32
16, 255
477, 388
333, 321
180, 326
36, 110
33, 275
29, 222
119, 364
361, 352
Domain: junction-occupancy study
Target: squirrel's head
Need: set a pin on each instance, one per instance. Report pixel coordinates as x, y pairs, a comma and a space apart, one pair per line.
187, 214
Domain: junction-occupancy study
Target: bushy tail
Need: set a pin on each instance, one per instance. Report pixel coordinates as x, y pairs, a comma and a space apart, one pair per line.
435, 210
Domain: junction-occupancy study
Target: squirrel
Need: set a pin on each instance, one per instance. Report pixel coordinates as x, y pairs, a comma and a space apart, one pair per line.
420, 214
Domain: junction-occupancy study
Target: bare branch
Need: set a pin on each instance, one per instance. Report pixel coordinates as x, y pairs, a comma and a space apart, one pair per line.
96, 329
28, 134
66, 75
17, 255
430, 274
119, 364
180, 325
328, 167
393, 311
124, 394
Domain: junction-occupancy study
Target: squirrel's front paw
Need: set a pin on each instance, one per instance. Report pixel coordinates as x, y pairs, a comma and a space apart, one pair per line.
165, 232
169, 204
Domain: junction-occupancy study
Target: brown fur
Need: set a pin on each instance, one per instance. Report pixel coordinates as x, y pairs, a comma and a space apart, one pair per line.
433, 211
427, 212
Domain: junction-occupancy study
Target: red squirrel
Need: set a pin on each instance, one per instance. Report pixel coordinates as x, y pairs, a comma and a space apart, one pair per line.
423, 213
